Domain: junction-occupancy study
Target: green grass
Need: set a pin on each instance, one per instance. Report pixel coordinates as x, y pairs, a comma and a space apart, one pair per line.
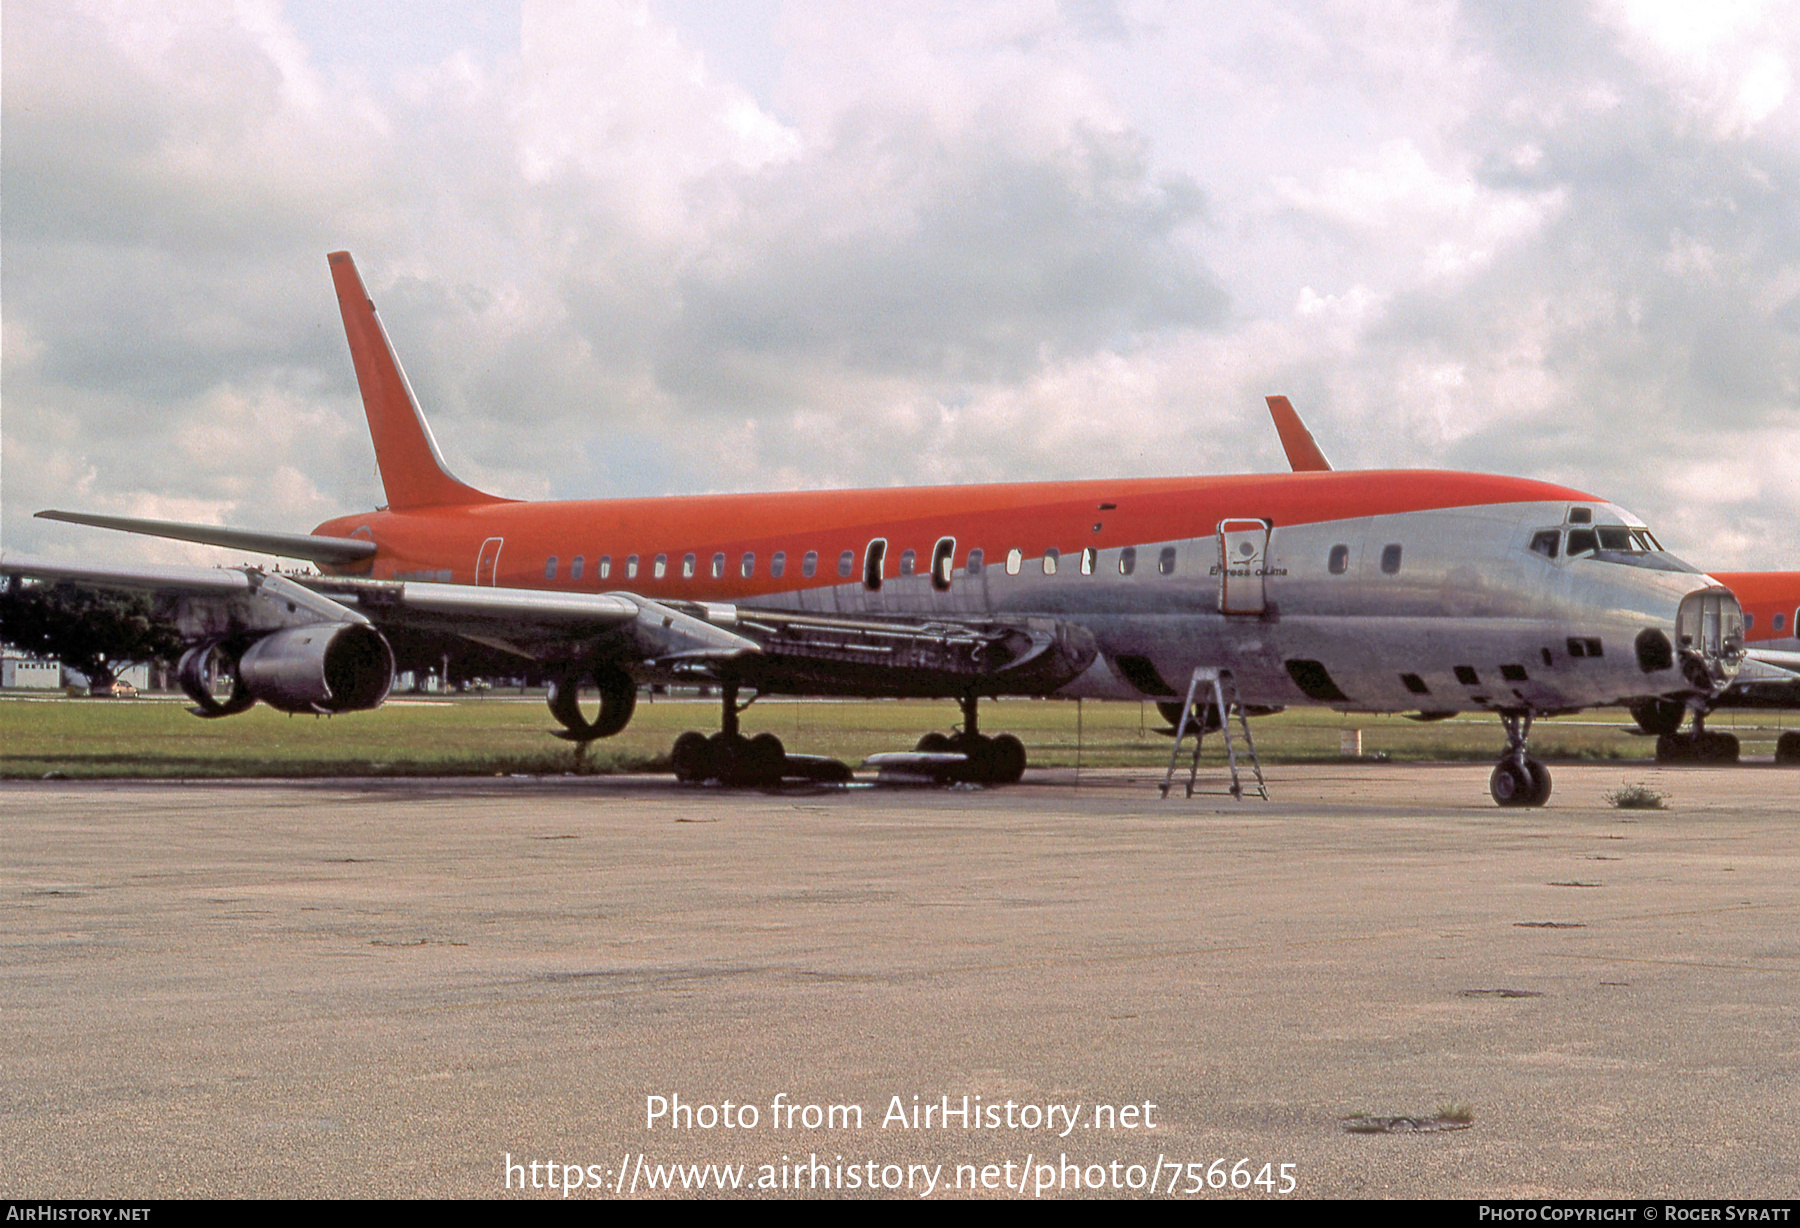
500, 734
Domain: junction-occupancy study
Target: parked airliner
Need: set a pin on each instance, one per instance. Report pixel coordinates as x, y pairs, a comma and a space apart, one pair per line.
1407, 591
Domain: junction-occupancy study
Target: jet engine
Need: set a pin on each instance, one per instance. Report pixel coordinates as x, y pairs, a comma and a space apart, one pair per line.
319, 668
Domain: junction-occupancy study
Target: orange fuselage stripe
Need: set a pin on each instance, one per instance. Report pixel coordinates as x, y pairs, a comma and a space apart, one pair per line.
1034, 517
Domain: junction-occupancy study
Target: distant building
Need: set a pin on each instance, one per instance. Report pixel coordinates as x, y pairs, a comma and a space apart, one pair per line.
29, 674
137, 675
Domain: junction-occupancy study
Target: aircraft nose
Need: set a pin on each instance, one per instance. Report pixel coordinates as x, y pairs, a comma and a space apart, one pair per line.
1709, 635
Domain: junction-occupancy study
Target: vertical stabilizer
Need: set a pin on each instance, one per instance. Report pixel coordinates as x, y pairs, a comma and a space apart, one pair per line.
1302, 450
412, 470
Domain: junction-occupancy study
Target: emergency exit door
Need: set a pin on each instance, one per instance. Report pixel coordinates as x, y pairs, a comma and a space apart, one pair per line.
1243, 565
487, 563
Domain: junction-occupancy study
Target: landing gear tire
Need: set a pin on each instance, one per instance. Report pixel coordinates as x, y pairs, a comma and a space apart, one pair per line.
689, 758
1540, 782
1697, 748
1658, 716
1511, 784
934, 744
1006, 760
762, 761
1787, 750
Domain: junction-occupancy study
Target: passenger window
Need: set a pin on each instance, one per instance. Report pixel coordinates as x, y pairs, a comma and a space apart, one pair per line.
1339, 562
631, 565
973, 567
1014, 559
1582, 541
718, 565
809, 564
1165, 562
1127, 560
943, 562
606, 566
1051, 558
575, 568
777, 563
1775, 623
1390, 559
908, 558
846, 561
660, 567
550, 568
687, 567
1581, 515
1545, 543
747, 565
1749, 621
1614, 538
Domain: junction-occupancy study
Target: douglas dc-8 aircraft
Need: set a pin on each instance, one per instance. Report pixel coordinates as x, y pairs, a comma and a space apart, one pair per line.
1406, 591
1770, 601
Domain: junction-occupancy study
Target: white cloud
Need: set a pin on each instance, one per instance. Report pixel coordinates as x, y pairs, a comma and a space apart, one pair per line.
930, 242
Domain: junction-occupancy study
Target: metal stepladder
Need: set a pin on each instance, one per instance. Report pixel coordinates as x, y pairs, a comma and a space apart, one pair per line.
1225, 701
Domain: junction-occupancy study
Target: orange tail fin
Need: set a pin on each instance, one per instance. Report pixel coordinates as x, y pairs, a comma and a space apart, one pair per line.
1302, 450
412, 470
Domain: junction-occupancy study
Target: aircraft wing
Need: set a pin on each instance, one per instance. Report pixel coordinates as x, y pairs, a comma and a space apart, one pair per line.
543, 626
1767, 666
200, 601
766, 649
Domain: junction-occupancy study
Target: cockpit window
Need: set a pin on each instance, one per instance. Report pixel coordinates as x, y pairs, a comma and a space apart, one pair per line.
1617, 543
1581, 515
1545, 543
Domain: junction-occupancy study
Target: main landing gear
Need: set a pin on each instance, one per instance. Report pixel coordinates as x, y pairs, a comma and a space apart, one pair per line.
1663, 718
998, 760
1697, 745
730, 758
1518, 779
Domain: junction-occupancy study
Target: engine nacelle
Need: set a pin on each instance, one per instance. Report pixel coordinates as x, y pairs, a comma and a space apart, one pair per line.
324, 667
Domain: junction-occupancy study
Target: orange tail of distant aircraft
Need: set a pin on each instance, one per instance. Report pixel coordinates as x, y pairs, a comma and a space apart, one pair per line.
1301, 448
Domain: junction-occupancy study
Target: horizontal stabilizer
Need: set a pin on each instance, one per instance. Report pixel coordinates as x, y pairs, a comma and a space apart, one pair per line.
283, 545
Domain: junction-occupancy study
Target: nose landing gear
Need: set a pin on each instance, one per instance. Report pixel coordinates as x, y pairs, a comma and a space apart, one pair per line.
1518, 779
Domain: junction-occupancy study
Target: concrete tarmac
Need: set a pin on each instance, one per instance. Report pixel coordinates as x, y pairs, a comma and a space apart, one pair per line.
387, 988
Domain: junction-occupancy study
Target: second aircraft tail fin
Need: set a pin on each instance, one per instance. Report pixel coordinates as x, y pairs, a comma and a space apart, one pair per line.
1302, 450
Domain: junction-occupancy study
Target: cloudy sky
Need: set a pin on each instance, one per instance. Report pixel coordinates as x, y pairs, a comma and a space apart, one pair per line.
678, 246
